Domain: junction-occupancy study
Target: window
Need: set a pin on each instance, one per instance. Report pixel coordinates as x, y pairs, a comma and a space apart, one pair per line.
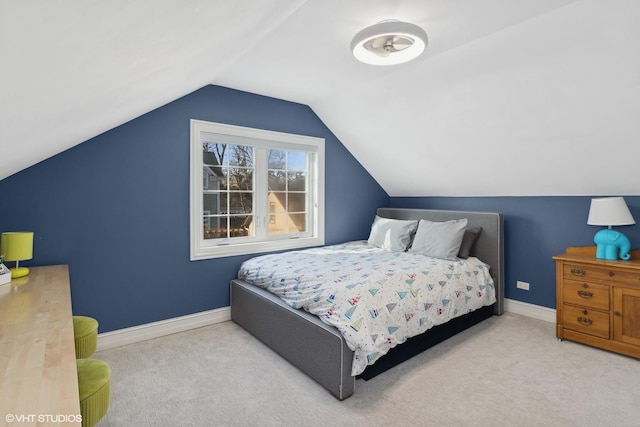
254, 190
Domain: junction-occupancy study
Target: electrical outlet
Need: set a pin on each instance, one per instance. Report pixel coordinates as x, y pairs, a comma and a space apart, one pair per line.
522, 285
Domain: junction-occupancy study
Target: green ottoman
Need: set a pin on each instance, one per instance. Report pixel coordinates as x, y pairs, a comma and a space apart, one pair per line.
93, 385
85, 332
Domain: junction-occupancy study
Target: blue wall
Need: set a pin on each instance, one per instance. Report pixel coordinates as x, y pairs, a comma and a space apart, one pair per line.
536, 228
116, 208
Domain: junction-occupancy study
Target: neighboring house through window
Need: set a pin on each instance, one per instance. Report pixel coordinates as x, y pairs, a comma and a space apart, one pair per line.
254, 190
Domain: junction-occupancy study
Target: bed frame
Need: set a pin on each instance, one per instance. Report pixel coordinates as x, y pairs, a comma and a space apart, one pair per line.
321, 352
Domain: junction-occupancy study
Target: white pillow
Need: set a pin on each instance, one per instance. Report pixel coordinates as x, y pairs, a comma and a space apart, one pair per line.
439, 239
392, 234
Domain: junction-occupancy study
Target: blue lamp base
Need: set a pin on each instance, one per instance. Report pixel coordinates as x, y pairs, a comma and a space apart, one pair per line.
612, 245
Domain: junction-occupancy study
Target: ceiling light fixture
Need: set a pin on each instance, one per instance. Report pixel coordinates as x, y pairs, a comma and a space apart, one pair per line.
389, 43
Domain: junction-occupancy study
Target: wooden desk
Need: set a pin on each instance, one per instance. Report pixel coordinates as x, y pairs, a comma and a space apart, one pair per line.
38, 377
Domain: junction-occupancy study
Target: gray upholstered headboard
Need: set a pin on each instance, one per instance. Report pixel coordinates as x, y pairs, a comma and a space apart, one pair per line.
488, 247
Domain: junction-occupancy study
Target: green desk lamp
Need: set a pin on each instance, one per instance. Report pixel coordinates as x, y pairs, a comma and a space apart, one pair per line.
17, 246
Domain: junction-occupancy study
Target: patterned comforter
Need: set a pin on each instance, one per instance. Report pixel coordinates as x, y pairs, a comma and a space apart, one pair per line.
376, 298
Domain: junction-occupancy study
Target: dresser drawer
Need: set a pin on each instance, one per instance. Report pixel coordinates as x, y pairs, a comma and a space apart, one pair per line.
592, 295
586, 321
601, 274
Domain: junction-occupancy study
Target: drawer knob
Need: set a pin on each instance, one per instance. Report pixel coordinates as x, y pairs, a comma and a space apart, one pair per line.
578, 272
617, 313
585, 294
585, 320
611, 274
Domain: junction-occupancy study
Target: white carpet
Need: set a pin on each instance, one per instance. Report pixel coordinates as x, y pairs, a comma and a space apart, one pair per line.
507, 371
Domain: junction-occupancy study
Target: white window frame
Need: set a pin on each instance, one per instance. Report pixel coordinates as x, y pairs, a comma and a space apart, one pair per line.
202, 248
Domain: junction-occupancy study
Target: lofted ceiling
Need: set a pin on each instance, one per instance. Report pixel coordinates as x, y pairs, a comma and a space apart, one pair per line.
512, 97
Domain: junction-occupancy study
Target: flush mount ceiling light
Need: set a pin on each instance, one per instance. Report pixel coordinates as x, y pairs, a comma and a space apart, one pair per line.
389, 43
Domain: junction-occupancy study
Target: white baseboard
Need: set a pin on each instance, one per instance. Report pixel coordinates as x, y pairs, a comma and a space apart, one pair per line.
197, 320
163, 327
530, 310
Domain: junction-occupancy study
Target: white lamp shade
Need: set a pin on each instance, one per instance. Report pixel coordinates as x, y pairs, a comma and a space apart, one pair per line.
609, 211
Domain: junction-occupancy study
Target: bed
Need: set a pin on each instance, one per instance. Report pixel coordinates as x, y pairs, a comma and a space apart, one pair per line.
322, 352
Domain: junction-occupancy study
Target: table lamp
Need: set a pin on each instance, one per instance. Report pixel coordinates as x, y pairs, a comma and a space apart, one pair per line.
610, 211
17, 246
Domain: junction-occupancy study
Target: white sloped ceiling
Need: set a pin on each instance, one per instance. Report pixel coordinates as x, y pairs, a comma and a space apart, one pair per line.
512, 97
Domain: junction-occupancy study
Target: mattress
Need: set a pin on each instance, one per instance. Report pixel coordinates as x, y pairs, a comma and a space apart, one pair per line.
375, 298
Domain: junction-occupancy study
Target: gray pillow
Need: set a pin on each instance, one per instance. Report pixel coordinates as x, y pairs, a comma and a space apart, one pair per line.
469, 239
439, 239
392, 234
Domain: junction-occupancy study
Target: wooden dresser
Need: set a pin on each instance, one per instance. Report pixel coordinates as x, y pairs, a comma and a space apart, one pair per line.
598, 301
38, 376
